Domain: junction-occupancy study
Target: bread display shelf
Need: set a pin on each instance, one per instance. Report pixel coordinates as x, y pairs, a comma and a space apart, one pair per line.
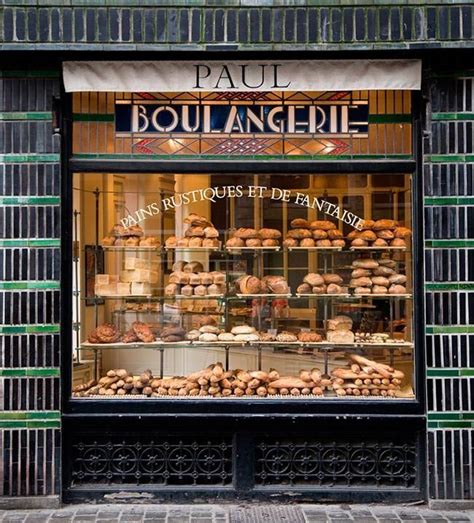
194, 297
121, 345
250, 249
194, 249
343, 295
359, 296
125, 248
123, 296
378, 248
325, 397
271, 295
313, 248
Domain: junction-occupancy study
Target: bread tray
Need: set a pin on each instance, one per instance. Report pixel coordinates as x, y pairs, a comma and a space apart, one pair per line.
264, 295
342, 295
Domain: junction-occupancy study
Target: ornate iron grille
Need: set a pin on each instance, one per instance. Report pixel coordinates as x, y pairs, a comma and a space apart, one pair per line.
324, 463
166, 462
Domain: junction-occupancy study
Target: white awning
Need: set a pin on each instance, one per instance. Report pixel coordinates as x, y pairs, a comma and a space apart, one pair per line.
252, 75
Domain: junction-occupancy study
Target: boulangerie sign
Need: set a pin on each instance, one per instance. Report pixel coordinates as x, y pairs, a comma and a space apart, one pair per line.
241, 76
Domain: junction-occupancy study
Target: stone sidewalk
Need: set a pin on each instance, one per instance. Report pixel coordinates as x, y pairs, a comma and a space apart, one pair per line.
245, 513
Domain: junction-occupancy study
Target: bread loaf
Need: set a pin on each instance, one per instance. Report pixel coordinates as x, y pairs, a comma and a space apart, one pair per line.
333, 288
334, 234
290, 242
397, 278
200, 290
307, 242
367, 224
380, 280
299, 234
397, 289
338, 243
402, 232
304, 288
187, 290
359, 242
364, 281
363, 290
195, 241
250, 285
358, 273
379, 289
253, 242
269, 234
383, 271
245, 233
323, 243
319, 289
386, 234
270, 242
338, 336
210, 242
379, 242
365, 263
340, 322
368, 235
380, 225
171, 241
332, 278
235, 242
325, 225
193, 266
299, 223
398, 242
319, 234
313, 279
211, 232
194, 231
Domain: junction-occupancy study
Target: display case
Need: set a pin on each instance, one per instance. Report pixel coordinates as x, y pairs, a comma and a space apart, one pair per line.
250, 287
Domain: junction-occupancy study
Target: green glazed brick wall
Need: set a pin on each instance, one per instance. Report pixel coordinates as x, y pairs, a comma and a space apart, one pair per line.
246, 25
29, 285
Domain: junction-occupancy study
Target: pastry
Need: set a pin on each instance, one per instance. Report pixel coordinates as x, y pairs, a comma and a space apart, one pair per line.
193, 266
386, 234
187, 290
325, 225
171, 241
235, 242
108, 240
299, 223
304, 288
210, 242
309, 337
266, 336
143, 331
332, 278
338, 243
286, 337
365, 263
380, 225
253, 242
270, 242
195, 241
250, 285
323, 243
380, 281
334, 234
398, 242
105, 333
211, 232
397, 289
171, 289
214, 290
290, 242
402, 232
182, 242
269, 234
200, 290
313, 279
397, 279
319, 234
363, 281
205, 278
245, 233
299, 234
307, 242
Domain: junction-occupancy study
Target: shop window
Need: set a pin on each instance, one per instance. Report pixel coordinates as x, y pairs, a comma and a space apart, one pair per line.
197, 286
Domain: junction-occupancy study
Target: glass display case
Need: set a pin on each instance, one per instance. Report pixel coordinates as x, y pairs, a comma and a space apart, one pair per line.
197, 286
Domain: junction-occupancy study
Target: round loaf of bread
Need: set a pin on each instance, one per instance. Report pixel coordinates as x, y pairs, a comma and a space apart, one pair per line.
304, 288
368, 236
245, 233
225, 336
387, 262
358, 273
364, 281
367, 224
397, 278
215, 290
319, 234
359, 242
325, 225
187, 290
398, 242
379, 289
332, 278
286, 337
205, 278
380, 281
193, 335
269, 234
250, 285
299, 223
178, 266
380, 225
253, 242
276, 284
247, 337
211, 232
353, 234
210, 242
386, 234
402, 232
235, 242
307, 242
334, 234
299, 234
383, 271
208, 337
333, 288
365, 263
338, 243
200, 290
194, 231
323, 243
313, 279
209, 328
243, 329
107, 240
362, 290
397, 289
171, 241
194, 279
132, 241
195, 241
319, 289
197, 220
380, 242
183, 242
270, 242
290, 242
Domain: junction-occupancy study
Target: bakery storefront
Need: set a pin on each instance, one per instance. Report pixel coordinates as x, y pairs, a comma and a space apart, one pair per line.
244, 278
